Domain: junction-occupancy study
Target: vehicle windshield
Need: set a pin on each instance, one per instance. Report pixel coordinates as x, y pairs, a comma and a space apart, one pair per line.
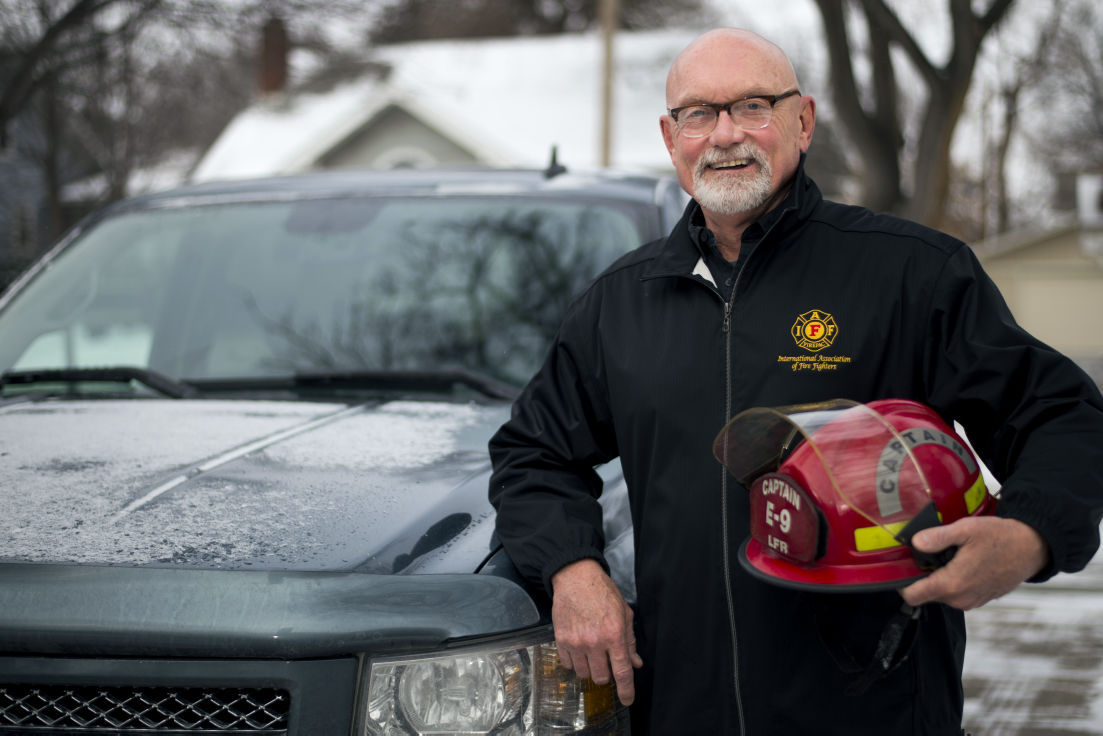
278, 288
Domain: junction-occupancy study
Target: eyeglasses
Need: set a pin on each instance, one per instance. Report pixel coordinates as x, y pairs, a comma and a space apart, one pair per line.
749, 113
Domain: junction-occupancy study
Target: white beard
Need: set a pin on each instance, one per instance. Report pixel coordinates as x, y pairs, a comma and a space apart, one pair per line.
729, 195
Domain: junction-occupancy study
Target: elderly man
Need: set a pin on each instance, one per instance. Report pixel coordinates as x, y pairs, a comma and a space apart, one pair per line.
679, 336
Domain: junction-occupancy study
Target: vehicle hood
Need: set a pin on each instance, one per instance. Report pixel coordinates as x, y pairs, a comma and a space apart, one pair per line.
383, 487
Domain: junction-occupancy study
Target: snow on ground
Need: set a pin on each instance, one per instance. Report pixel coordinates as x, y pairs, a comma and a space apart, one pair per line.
1034, 662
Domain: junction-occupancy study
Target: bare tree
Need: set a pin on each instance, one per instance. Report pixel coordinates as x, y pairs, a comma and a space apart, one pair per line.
45, 38
1040, 103
409, 20
1070, 132
1025, 72
128, 81
871, 114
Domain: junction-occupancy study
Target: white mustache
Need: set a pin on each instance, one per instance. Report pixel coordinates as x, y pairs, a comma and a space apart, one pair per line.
742, 151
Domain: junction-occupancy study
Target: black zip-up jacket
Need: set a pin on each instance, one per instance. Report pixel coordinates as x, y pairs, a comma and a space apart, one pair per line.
651, 362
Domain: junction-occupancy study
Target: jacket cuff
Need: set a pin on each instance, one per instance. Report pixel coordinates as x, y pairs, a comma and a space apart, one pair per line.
1038, 516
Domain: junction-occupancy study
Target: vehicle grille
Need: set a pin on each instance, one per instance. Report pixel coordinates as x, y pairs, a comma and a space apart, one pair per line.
37, 709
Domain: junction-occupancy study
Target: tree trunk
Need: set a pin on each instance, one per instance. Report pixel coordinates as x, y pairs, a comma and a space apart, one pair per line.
932, 158
876, 136
51, 160
876, 132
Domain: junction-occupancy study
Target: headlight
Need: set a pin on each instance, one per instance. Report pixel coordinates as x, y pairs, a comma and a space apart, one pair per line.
510, 688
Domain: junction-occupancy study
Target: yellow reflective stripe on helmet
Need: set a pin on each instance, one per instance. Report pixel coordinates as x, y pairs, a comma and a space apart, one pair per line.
871, 538
975, 496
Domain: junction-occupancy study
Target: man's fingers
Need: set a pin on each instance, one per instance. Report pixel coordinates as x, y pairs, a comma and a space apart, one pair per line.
582, 667
936, 539
936, 584
598, 667
922, 591
636, 659
603, 664
565, 658
624, 676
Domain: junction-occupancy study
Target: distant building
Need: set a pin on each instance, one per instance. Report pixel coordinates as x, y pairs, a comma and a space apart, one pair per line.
1052, 277
495, 102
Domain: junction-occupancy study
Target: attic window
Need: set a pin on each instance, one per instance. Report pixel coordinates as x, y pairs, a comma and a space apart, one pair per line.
404, 157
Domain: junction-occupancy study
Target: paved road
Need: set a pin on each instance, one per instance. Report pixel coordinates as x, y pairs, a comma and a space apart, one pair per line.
1034, 663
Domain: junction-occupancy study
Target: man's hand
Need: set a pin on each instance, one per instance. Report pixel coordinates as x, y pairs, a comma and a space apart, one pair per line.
593, 627
994, 555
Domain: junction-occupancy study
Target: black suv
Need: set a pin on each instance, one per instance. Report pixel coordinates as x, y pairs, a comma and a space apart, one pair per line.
243, 436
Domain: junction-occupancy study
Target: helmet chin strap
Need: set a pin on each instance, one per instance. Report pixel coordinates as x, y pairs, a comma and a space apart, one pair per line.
894, 643
892, 649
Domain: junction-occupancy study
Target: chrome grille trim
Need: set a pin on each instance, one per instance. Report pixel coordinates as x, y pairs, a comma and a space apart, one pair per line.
53, 709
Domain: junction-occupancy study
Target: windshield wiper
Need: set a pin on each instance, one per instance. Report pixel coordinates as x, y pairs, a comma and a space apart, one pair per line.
443, 380
115, 374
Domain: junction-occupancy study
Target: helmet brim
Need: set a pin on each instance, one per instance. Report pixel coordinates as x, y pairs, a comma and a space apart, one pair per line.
757, 560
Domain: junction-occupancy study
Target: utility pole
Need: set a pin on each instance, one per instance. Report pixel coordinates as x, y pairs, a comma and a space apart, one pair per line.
610, 13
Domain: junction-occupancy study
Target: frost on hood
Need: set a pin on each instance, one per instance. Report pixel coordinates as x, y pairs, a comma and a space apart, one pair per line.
82, 479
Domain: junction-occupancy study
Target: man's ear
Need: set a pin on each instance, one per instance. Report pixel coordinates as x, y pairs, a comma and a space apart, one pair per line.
666, 124
807, 122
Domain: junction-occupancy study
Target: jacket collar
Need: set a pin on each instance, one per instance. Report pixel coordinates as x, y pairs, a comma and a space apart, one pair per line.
681, 256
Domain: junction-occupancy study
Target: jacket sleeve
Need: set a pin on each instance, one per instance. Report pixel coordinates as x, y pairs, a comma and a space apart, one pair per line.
544, 485
1035, 418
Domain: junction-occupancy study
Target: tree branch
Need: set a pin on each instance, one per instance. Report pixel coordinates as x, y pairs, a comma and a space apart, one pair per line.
994, 14
22, 82
845, 88
881, 16
885, 88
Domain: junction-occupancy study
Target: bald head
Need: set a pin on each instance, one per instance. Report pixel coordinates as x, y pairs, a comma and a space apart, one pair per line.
754, 57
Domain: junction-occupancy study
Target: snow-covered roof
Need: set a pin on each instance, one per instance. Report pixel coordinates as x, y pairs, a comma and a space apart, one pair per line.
506, 100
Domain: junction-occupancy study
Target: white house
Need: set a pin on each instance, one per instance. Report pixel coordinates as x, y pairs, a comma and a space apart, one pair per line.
499, 102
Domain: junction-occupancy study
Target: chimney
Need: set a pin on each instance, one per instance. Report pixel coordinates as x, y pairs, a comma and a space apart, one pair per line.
273, 57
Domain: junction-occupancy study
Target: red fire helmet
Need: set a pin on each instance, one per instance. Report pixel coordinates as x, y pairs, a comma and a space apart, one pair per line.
838, 488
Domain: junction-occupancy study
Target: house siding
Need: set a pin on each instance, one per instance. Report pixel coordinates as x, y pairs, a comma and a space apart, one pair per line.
393, 139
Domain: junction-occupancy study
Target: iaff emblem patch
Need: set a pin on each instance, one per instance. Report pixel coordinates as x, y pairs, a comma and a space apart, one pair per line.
815, 330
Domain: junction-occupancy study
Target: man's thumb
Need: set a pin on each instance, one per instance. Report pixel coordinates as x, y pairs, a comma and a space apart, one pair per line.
934, 539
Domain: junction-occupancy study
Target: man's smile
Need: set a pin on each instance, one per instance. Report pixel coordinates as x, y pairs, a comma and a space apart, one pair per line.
739, 163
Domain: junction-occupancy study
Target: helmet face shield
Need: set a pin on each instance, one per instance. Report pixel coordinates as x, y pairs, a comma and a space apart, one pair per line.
834, 487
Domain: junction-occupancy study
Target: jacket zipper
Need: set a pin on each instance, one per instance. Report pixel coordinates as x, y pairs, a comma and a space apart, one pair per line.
725, 535
729, 305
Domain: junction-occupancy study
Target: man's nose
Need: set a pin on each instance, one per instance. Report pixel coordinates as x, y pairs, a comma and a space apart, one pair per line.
726, 131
